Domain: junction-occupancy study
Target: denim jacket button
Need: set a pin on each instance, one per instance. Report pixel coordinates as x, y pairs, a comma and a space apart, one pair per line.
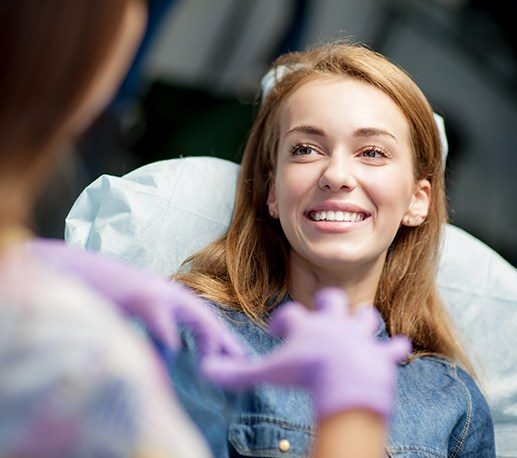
284, 445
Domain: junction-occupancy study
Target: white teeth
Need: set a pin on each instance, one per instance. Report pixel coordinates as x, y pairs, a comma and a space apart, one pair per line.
348, 217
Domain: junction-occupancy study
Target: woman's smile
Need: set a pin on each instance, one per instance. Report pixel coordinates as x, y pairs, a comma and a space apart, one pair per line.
337, 217
334, 225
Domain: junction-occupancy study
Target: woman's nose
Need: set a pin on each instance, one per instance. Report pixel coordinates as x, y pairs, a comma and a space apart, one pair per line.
337, 176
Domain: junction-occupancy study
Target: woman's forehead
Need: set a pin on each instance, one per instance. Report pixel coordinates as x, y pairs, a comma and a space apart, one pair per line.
340, 104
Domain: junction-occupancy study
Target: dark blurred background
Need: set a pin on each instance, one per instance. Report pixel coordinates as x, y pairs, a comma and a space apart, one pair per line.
192, 91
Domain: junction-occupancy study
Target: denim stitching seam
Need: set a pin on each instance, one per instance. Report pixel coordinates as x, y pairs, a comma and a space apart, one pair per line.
465, 429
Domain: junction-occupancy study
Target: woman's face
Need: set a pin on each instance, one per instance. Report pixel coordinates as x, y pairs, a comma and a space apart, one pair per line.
344, 181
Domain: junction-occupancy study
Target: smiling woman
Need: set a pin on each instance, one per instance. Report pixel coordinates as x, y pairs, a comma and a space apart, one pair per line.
341, 185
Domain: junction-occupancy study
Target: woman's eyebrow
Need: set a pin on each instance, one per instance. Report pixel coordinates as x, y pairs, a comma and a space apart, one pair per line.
372, 132
306, 129
361, 132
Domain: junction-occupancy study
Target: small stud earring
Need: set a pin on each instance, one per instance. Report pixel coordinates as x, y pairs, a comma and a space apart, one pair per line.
408, 220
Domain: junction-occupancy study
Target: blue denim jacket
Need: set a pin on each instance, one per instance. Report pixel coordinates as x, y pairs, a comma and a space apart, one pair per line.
439, 411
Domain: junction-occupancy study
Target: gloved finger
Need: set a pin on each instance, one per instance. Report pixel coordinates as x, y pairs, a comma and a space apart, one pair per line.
189, 309
331, 300
208, 329
239, 374
220, 341
285, 318
398, 348
164, 329
227, 373
182, 295
368, 319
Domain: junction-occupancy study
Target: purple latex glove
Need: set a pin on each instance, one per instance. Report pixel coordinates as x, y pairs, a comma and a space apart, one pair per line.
158, 302
329, 352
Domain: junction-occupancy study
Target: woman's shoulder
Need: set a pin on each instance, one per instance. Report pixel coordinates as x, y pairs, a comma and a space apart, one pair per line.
440, 373
432, 376
434, 393
480, 441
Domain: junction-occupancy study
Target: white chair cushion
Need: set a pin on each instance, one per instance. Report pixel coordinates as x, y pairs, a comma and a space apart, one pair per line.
155, 216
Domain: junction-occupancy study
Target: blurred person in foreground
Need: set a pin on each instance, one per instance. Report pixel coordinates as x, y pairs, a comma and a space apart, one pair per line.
75, 378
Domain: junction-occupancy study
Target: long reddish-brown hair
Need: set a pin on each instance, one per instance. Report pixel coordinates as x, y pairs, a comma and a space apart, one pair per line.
248, 268
50, 53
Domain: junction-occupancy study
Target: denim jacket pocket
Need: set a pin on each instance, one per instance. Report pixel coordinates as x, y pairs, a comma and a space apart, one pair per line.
263, 436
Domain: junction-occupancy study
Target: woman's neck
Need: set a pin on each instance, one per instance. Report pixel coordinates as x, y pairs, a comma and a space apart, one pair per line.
360, 282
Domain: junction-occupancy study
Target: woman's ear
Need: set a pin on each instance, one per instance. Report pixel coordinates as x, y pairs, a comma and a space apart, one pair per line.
271, 201
419, 206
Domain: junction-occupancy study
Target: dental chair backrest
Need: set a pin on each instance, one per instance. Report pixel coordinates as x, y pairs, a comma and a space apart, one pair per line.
156, 216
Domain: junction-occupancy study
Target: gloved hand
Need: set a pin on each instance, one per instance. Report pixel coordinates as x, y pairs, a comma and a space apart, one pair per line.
158, 302
329, 352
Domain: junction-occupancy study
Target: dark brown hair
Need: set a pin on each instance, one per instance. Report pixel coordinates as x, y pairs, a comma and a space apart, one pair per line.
50, 53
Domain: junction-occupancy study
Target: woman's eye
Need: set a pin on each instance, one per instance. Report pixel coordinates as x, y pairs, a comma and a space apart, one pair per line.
302, 150
373, 153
